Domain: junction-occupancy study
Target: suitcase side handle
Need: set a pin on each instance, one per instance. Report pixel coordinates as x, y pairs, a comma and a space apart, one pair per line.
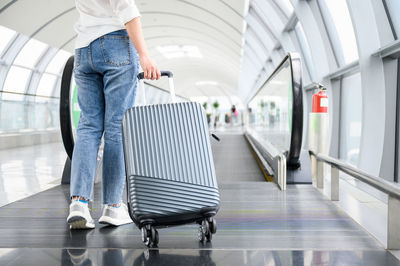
170, 75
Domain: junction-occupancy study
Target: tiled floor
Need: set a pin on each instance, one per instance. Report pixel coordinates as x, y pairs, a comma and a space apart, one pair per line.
28, 170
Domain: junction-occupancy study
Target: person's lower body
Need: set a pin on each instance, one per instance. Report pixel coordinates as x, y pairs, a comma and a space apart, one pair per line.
105, 73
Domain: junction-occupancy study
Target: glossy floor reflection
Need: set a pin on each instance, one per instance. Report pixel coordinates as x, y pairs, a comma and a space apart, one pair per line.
29, 170
253, 216
176, 257
257, 225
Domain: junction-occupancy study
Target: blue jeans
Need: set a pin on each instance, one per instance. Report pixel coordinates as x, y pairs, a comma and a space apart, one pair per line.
105, 72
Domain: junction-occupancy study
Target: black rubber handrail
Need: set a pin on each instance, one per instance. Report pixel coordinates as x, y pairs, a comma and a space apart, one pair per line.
296, 137
65, 107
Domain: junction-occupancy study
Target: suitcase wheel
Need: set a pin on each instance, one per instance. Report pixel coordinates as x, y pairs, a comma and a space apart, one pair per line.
150, 236
207, 228
213, 225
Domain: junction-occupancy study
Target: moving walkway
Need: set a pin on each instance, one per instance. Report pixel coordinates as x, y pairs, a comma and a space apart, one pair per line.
259, 224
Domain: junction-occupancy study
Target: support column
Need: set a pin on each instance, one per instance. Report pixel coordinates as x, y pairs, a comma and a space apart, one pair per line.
320, 174
393, 232
334, 183
314, 170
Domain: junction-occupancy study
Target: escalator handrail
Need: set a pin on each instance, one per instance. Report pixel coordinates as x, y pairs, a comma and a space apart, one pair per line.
65, 107
296, 136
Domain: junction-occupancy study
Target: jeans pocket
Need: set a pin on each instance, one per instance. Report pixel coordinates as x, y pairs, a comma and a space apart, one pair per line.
116, 50
77, 58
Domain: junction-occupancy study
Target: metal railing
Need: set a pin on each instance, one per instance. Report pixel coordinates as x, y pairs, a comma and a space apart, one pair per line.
29, 94
389, 188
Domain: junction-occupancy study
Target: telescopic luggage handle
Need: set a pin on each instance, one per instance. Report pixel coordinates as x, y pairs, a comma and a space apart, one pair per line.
163, 73
140, 77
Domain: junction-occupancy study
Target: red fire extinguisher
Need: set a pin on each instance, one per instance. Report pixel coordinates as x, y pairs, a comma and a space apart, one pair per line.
320, 100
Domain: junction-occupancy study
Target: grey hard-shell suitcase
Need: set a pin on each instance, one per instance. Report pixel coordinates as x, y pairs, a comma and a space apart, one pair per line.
170, 175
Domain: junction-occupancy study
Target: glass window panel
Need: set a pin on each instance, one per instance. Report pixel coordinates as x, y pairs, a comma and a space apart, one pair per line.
270, 110
394, 10
58, 88
340, 15
30, 53
16, 79
24, 116
12, 116
46, 85
305, 48
6, 35
350, 122
57, 63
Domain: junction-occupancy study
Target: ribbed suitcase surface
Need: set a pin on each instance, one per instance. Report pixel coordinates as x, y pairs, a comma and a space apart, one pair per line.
169, 164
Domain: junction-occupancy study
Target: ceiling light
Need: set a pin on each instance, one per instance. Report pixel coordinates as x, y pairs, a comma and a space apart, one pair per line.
204, 83
177, 51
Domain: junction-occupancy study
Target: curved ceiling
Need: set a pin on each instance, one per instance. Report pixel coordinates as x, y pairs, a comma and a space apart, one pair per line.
215, 27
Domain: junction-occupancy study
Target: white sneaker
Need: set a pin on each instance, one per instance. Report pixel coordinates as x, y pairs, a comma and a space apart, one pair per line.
115, 216
79, 216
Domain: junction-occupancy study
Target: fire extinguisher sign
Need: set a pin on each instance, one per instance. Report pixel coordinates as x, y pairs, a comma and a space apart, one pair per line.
323, 102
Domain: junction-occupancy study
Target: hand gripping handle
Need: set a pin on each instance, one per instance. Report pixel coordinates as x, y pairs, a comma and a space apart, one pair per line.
140, 77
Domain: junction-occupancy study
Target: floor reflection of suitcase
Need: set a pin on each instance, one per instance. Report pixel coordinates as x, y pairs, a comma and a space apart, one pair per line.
169, 167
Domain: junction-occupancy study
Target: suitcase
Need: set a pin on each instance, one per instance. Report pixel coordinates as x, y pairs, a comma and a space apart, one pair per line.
170, 175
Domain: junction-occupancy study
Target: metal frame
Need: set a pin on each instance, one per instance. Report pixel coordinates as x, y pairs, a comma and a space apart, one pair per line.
9, 56
320, 33
389, 188
373, 81
390, 19
345, 70
305, 51
35, 75
8, 46
269, 157
7, 5
331, 32
266, 14
392, 50
39, 69
317, 28
254, 12
235, 29
12, 51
